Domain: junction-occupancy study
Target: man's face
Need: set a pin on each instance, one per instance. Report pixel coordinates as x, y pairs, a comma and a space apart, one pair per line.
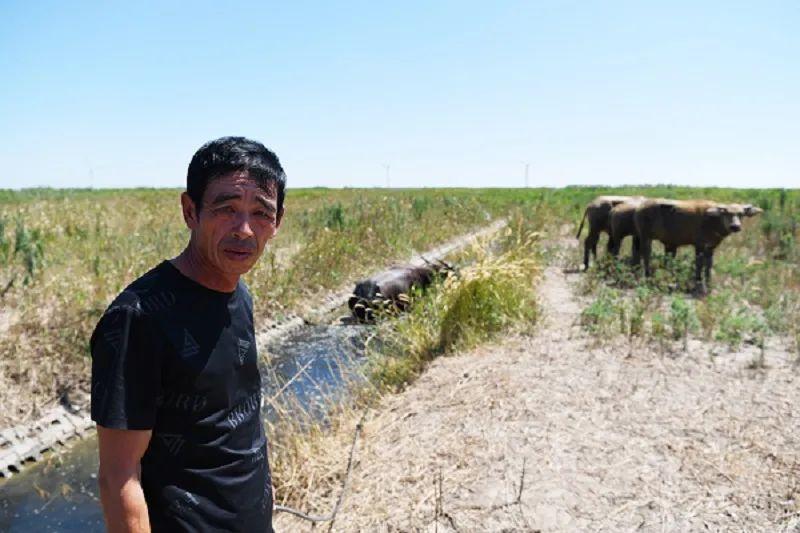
236, 220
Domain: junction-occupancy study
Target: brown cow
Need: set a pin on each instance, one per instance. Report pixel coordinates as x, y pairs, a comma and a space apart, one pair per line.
701, 223
597, 213
621, 224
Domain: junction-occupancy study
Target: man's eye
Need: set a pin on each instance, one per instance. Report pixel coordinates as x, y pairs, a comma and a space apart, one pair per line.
225, 209
265, 214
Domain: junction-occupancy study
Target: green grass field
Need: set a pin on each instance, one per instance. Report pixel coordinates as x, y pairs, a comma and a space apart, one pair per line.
64, 254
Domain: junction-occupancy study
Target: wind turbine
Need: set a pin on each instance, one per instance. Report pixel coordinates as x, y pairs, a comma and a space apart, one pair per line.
527, 166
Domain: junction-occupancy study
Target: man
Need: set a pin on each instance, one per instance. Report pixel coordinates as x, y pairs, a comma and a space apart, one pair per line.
176, 391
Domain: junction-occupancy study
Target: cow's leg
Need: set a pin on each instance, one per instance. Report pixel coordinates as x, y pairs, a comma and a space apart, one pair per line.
613, 245
699, 263
586, 253
590, 245
709, 263
636, 250
647, 247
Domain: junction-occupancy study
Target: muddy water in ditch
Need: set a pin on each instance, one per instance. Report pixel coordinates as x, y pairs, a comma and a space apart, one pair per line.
60, 494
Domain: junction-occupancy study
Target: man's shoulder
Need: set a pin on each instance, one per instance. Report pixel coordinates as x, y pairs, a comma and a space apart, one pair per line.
150, 293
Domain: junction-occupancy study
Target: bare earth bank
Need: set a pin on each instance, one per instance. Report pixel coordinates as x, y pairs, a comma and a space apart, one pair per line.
611, 438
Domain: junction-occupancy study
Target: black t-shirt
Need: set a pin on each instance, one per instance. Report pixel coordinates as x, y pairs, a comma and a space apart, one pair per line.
179, 358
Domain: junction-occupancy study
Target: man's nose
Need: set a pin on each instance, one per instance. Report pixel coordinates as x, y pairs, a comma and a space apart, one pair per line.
242, 230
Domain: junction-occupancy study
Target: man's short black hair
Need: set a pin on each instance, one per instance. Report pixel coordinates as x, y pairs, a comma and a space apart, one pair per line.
229, 154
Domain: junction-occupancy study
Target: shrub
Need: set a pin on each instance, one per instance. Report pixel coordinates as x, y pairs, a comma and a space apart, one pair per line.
334, 217
419, 206
29, 246
743, 322
682, 318
495, 294
638, 306
599, 317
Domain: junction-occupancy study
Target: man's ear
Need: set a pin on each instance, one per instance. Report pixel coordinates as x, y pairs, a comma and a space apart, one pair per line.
189, 211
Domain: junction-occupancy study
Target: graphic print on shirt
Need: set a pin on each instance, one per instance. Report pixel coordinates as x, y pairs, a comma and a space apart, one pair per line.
172, 442
180, 401
241, 412
183, 502
190, 346
258, 456
244, 347
113, 337
158, 301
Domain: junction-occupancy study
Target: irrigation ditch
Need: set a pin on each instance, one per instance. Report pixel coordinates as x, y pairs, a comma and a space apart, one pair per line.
48, 468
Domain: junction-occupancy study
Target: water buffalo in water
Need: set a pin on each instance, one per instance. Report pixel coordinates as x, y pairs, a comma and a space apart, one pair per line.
391, 289
700, 223
597, 212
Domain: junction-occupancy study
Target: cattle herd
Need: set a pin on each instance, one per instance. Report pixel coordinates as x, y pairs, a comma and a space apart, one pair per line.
699, 223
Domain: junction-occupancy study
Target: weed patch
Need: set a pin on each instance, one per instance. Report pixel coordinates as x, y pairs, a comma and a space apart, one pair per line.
495, 294
602, 315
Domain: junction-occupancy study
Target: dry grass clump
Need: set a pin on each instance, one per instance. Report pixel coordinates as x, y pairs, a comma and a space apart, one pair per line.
494, 294
297, 429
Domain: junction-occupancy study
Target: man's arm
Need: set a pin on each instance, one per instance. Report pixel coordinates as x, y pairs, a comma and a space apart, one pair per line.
121, 493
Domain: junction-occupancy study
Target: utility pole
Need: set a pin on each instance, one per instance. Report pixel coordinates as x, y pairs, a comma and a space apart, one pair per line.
527, 166
386, 166
91, 171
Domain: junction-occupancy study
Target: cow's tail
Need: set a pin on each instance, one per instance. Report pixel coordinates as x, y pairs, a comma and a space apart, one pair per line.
580, 228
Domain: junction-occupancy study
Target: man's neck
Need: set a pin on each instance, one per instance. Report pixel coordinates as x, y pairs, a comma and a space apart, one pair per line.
192, 265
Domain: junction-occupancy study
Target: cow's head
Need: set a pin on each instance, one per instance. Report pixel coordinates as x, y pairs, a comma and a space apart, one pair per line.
727, 218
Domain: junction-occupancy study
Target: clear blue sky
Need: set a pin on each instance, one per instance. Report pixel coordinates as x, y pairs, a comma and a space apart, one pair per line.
118, 94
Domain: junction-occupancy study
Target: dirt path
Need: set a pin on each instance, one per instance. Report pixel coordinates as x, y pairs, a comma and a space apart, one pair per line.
610, 439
